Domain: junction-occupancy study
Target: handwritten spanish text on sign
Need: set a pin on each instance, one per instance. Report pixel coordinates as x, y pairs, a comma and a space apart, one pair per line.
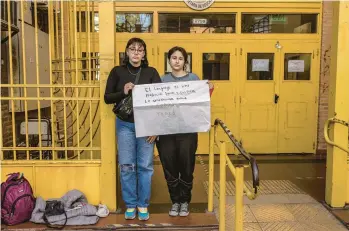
171, 108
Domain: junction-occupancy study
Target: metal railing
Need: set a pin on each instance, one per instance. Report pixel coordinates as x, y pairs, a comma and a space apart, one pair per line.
327, 129
238, 173
56, 95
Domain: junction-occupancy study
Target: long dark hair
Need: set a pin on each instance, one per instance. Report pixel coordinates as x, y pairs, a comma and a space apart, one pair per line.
184, 53
140, 42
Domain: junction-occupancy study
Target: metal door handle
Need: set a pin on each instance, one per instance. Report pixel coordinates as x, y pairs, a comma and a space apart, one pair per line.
276, 98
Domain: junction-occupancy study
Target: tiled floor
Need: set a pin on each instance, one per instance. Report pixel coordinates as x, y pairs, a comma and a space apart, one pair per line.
277, 217
289, 199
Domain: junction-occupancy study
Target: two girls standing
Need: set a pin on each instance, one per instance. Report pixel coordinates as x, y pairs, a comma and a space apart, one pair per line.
135, 155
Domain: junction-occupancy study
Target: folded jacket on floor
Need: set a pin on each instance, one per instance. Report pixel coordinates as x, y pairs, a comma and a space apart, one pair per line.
78, 211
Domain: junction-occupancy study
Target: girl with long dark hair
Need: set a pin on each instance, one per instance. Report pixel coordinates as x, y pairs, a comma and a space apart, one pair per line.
135, 155
177, 151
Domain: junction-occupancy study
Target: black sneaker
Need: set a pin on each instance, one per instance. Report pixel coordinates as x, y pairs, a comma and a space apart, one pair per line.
184, 210
174, 210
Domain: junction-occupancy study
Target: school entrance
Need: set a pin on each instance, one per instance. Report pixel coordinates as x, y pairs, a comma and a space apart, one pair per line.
265, 65
263, 58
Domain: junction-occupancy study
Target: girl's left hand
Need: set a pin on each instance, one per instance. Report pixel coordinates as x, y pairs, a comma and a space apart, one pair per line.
210, 85
151, 139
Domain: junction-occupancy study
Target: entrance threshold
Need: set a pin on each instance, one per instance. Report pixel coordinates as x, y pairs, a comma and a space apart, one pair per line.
195, 221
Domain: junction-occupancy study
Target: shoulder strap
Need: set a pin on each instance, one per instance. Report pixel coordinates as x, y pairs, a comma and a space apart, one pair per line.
44, 217
137, 76
48, 224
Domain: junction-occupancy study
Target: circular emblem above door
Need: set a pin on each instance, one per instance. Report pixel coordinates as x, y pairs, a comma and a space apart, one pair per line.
199, 4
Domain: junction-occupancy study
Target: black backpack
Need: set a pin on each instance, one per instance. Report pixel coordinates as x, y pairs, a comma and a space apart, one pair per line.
54, 208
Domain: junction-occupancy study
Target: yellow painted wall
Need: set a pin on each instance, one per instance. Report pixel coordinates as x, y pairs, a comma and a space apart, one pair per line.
53, 180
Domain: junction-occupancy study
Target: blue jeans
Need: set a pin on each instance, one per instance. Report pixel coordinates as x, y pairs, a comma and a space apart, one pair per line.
135, 156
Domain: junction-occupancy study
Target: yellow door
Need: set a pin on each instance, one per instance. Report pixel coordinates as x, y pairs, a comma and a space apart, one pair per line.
217, 63
299, 80
258, 76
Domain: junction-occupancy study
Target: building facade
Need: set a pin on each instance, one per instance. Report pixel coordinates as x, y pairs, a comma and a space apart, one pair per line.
270, 110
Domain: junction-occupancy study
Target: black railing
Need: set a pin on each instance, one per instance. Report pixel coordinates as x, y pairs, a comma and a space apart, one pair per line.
246, 155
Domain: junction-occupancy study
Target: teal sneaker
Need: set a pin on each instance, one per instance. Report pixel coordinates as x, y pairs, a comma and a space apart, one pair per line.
130, 214
143, 214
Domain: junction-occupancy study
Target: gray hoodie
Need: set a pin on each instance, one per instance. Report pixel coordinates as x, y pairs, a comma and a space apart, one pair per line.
78, 211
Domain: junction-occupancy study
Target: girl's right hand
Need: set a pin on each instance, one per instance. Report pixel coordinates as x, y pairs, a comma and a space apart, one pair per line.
128, 86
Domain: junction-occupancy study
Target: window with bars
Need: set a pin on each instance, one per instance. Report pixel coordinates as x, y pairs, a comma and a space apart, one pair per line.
13, 8
82, 20
42, 16
94, 65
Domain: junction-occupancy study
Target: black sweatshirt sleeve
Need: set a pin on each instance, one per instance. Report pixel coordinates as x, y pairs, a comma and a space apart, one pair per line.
112, 96
156, 77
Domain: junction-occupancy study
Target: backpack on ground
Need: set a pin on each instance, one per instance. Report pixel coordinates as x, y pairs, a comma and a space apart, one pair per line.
17, 199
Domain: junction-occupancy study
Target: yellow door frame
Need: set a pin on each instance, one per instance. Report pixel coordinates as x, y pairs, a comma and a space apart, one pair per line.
108, 169
337, 171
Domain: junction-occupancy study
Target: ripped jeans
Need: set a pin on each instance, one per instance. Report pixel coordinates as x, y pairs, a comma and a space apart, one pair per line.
135, 156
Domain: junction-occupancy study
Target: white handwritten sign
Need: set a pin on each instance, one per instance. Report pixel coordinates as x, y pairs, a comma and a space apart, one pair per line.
295, 66
260, 64
171, 108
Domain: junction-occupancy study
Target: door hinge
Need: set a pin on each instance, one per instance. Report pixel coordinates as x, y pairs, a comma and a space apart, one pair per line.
313, 54
313, 145
317, 52
235, 99
158, 50
236, 51
315, 100
240, 51
240, 99
152, 51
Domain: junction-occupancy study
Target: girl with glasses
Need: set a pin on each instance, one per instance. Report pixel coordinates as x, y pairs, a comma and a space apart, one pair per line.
135, 155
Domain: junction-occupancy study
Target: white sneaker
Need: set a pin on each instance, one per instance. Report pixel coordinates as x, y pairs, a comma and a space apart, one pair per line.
174, 210
102, 211
184, 210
